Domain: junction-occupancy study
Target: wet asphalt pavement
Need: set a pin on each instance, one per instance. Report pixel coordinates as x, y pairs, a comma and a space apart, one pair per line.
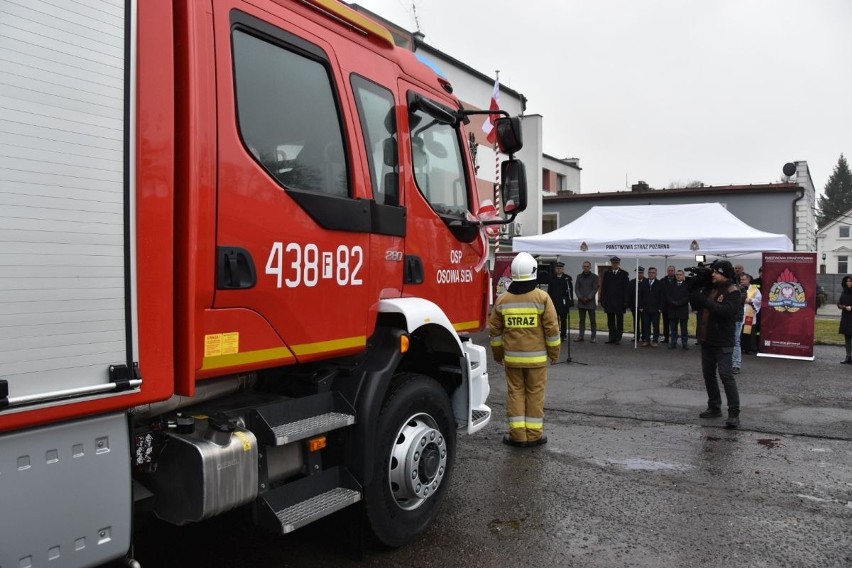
630, 477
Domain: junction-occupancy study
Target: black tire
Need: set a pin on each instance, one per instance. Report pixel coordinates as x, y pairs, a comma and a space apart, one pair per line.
416, 429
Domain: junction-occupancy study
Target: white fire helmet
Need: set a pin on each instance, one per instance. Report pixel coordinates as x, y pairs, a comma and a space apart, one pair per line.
523, 268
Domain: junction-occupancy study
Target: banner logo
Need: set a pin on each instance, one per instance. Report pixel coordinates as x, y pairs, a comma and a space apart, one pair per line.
787, 294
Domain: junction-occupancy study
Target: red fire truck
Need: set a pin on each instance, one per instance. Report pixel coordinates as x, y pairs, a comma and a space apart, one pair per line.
239, 257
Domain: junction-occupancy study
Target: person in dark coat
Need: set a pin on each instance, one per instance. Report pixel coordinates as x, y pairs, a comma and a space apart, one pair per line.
560, 288
677, 306
631, 302
845, 304
669, 280
651, 297
614, 287
722, 305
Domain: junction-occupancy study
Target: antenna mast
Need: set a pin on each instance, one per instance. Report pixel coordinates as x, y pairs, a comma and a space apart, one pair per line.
414, 14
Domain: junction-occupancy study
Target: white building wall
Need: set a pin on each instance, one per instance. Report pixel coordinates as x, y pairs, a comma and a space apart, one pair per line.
573, 180
836, 248
805, 210
531, 156
571, 175
473, 90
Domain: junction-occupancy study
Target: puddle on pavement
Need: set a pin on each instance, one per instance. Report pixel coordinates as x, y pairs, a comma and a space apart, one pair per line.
647, 465
770, 442
499, 525
718, 439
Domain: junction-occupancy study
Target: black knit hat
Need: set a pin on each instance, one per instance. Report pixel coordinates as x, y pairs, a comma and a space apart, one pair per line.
724, 268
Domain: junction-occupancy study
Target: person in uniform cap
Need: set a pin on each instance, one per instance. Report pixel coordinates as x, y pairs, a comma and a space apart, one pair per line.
614, 290
560, 288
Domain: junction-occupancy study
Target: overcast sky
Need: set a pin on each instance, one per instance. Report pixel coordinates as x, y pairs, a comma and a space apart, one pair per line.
665, 91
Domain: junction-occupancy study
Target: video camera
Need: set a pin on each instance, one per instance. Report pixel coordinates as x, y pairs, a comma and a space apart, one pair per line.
699, 278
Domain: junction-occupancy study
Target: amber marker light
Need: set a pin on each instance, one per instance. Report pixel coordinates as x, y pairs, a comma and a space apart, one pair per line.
403, 344
316, 444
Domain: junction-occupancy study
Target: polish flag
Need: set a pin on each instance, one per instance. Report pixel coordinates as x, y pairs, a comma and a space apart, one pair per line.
488, 125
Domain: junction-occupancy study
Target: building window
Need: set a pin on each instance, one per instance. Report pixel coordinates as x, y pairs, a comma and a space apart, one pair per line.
545, 179
549, 222
844, 232
842, 264
560, 183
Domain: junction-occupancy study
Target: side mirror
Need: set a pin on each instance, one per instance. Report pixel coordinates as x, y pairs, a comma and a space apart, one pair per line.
509, 136
513, 186
389, 152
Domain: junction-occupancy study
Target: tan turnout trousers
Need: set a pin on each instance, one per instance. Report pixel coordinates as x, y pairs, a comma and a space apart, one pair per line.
526, 387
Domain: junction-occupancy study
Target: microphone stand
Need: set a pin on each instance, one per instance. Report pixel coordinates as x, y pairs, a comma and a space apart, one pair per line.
568, 340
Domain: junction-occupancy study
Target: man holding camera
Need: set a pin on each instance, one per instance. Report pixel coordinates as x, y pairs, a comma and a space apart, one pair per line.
722, 306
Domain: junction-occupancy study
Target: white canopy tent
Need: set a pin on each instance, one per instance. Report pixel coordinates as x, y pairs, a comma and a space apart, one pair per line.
644, 231
655, 230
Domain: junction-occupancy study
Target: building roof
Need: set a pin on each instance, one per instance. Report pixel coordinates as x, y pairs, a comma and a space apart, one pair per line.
681, 191
846, 217
570, 162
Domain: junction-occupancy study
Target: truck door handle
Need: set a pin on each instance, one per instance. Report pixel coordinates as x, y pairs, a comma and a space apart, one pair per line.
234, 269
413, 269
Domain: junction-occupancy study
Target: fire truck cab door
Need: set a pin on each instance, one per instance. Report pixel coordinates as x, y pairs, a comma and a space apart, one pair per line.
440, 200
295, 214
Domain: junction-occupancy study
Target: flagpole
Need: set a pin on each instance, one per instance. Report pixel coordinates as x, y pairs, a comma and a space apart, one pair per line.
497, 203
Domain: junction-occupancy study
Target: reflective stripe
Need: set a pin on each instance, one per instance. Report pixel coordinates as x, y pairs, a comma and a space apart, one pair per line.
553, 341
497, 340
466, 325
526, 353
530, 420
523, 308
516, 422
517, 359
534, 426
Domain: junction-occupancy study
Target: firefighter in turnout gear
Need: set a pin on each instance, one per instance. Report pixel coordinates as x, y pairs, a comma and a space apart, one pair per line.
524, 331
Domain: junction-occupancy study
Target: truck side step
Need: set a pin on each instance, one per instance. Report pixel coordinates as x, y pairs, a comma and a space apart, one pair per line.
290, 420
288, 507
301, 429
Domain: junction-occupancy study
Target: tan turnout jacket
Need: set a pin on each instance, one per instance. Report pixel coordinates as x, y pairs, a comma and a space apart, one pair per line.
524, 329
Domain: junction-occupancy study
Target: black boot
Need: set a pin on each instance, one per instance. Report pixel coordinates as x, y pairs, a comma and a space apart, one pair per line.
733, 420
847, 361
711, 413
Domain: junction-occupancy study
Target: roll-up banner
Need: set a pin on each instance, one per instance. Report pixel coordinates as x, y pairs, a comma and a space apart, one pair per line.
502, 275
788, 310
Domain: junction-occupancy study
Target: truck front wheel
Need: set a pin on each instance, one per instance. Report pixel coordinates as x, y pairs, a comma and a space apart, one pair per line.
415, 452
